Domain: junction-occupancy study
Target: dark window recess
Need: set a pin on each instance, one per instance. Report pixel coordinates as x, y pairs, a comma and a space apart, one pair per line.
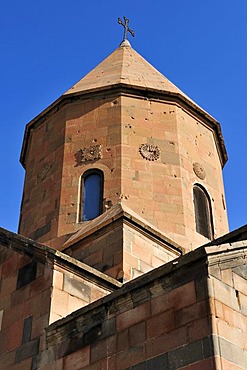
26, 274
203, 212
27, 329
92, 195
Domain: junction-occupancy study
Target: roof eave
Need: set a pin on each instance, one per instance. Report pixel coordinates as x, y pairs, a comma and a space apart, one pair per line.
127, 216
44, 254
121, 87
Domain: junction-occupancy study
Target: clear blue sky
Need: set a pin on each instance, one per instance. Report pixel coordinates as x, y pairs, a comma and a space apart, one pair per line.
46, 46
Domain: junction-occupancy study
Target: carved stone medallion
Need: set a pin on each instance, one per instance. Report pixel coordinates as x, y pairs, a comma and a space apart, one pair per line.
149, 152
199, 170
91, 153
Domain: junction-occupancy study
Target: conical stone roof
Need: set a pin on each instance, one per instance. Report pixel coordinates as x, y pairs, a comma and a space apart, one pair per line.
125, 66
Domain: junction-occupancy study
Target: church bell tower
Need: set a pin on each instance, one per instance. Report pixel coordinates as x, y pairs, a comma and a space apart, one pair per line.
123, 146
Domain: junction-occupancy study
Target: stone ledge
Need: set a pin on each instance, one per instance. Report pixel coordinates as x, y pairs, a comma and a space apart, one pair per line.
44, 254
191, 266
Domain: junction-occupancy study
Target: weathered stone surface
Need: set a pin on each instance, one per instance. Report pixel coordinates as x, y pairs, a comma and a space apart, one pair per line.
175, 133
42, 231
76, 288
158, 318
28, 349
241, 271
230, 352
26, 274
27, 329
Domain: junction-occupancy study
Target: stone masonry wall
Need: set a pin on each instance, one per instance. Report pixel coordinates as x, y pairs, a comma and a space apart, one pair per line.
51, 199
103, 251
159, 320
149, 185
143, 253
89, 123
70, 292
161, 190
228, 304
197, 145
42, 187
122, 251
24, 308
39, 286
179, 317
187, 314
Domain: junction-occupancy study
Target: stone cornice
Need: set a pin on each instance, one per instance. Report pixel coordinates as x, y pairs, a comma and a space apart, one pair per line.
44, 254
135, 91
193, 265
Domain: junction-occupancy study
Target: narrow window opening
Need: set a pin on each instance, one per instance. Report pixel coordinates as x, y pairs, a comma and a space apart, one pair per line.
91, 195
203, 212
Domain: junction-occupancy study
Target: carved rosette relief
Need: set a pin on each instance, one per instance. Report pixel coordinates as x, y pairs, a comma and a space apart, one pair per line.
149, 152
92, 153
199, 170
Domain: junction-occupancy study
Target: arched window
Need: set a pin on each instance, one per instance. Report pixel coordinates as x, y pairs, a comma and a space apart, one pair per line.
91, 195
203, 212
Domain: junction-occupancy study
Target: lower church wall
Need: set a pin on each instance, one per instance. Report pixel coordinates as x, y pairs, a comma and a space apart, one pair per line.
24, 308
38, 286
189, 314
123, 249
102, 250
142, 253
161, 317
71, 292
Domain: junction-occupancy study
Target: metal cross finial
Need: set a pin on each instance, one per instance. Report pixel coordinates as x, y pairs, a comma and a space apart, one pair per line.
126, 28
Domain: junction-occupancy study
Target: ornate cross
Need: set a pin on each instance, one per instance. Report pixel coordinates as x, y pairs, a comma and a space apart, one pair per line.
126, 28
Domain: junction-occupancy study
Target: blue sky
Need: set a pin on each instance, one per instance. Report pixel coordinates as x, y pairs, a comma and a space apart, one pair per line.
46, 46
